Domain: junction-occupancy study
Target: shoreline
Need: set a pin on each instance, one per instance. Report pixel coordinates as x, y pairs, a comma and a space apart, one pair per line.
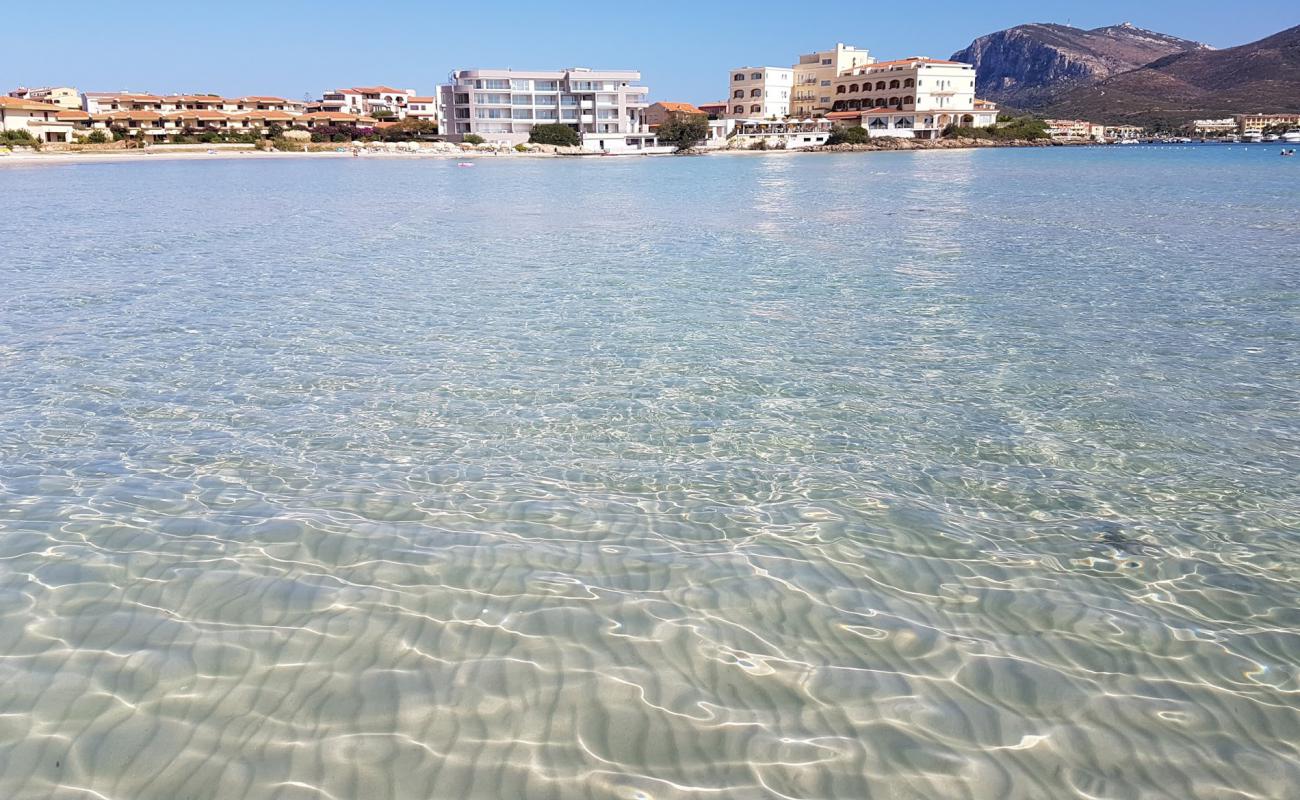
160, 154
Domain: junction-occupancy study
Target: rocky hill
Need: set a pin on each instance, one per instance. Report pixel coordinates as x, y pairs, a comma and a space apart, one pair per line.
1030, 66
1262, 76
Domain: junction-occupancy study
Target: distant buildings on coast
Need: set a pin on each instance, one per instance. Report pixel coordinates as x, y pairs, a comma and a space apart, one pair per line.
795, 106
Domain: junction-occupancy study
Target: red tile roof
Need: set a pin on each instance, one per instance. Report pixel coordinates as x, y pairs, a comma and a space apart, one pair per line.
15, 104
683, 107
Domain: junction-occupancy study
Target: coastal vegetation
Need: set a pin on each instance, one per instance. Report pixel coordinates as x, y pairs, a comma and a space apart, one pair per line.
1007, 129
855, 135
684, 131
556, 133
19, 138
473, 138
408, 130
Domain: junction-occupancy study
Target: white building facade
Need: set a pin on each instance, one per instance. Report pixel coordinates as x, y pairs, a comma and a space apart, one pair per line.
760, 93
605, 107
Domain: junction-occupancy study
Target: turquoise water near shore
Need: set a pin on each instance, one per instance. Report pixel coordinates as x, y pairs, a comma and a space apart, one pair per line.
963, 474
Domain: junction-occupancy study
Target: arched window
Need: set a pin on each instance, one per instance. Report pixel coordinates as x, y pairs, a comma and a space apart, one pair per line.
880, 102
880, 85
755, 92
756, 108
758, 76
893, 101
740, 93
894, 84
739, 76
909, 82
968, 120
839, 89
854, 88
907, 101
855, 105
838, 106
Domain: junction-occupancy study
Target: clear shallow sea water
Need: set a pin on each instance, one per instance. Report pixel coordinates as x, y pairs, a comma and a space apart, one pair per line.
933, 475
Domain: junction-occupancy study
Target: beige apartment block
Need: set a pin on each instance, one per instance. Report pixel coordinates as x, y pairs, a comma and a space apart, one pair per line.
815, 74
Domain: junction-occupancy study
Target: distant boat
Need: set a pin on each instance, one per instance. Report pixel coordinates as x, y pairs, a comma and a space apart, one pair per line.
1272, 137
1291, 137
1252, 138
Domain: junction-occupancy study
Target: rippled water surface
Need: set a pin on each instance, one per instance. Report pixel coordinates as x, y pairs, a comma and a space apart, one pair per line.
934, 475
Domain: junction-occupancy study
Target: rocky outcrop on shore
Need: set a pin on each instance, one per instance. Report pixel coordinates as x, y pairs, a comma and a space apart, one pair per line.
954, 143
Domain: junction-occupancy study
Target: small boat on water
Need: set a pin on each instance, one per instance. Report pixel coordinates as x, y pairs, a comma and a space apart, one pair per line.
464, 164
1291, 137
1288, 153
1252, 138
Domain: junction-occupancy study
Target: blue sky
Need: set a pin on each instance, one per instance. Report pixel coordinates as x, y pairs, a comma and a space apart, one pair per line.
683, 49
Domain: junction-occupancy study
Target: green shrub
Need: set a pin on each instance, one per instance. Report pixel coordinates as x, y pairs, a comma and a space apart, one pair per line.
684, 131
408, 130
473, 138
1023, 128
20, 138
556, 133
760, 144
521, 148
855, 135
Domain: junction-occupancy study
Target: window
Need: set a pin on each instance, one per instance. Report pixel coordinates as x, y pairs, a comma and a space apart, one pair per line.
739, 76
568, 113
544, 100
853, 87
826, 83
756, 108
739, 93
894, 84
756, 93
521, 85
909, 82
826, 62
757, 76
880, 86
522, 99
546, 86
522, 113
547, 113
738, 110
824, 99
492, 99
492, 84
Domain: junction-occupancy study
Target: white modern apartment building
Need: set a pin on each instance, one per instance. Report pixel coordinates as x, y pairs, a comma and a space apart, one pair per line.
815, 74
913, 98
760, 93
607, 107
